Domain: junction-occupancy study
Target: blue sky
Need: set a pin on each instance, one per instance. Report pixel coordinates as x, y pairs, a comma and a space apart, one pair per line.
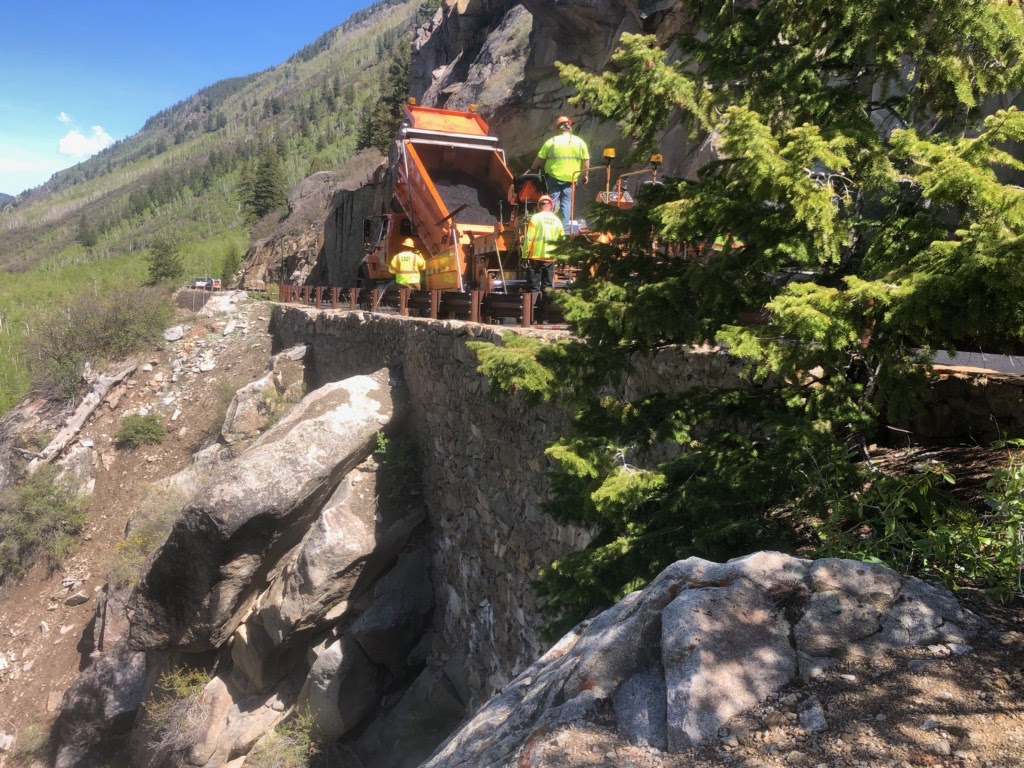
75, 77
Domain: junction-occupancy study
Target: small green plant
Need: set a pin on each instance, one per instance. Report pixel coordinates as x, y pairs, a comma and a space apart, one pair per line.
400, 462
147, 530
292, 744
33, 743
914, 525
1005, 543
139, 430
276, 404
176, 714
41, 513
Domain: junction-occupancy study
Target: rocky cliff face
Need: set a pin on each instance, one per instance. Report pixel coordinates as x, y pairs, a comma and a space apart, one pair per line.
500, 55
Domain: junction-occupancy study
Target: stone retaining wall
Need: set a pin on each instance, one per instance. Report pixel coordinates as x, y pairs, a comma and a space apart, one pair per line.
484, 473
484, 468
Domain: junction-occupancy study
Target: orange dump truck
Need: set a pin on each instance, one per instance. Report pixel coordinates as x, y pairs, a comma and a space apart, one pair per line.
454, 196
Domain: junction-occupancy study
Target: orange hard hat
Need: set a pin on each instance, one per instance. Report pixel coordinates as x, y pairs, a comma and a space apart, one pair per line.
545, 199
562, 119
409, 242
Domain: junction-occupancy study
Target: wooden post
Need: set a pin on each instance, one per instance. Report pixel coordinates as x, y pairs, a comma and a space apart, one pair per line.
527, 317
475, 297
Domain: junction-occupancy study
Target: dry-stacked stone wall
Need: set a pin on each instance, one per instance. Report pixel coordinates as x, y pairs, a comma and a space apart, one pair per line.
484, 472
484, 467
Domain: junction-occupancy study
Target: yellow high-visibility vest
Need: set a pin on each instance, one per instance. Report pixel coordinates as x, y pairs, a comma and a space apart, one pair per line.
406, 267
542, 232
563, 156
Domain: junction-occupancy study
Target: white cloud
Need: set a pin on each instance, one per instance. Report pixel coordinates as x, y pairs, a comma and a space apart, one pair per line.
22, 168
78, 145
64, 117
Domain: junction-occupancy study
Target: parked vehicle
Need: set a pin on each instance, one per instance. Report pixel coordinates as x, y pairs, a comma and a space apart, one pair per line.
456, 198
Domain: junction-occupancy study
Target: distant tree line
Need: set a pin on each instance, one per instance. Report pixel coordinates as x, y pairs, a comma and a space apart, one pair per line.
207, 99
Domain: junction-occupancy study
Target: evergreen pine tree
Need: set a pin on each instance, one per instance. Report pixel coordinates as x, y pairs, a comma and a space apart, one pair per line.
231, 263
164, 261
86, 234
863, 190
380, 118
263, 188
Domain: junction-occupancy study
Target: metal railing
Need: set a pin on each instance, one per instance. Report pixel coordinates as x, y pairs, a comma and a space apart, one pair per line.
526, 309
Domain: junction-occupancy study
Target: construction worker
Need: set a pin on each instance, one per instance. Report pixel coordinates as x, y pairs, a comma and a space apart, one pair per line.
543, 231
406, 265
566, 159
718, 246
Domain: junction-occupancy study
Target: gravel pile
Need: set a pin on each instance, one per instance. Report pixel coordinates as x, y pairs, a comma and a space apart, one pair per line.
483, 205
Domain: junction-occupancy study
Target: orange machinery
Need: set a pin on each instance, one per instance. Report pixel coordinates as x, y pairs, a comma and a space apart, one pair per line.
455, 197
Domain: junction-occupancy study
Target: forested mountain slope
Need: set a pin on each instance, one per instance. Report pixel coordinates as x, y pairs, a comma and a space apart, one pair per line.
193, 173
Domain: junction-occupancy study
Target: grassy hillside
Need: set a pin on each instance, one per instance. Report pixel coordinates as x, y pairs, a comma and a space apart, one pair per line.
88, 227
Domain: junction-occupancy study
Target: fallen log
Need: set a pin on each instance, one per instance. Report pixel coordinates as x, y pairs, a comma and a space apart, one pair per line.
89, 404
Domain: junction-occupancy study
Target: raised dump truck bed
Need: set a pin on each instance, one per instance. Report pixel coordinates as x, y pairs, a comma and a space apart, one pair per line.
456, 201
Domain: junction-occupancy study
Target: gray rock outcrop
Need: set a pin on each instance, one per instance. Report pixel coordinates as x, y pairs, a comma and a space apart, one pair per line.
251, 511
100, 706
703, 643
255, 406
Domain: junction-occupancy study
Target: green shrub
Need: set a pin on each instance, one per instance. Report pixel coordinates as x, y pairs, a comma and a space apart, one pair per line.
175, 716
139, 430
291, 745
95, 329
400, 461
33, 744
914, 525
42, 513
148, 528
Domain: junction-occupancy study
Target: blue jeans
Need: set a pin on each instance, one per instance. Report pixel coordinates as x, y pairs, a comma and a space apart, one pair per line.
561, 199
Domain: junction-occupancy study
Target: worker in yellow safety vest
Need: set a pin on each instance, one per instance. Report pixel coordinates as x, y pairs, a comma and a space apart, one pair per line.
543, 232
718, 246
406, 265
566, 160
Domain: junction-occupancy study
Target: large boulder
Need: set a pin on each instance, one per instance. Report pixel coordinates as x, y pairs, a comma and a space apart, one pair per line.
323, 571
405, 735
337, 563
100, 706
393, 623
255, 406
342, 688
234, 723
703, 643
251, 512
